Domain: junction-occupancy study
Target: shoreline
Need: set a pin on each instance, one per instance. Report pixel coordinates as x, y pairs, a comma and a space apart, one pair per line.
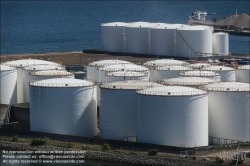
107, 156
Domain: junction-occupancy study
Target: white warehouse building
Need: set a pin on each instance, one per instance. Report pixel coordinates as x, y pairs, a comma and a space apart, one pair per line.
63, 106
173, 116
118, 109
228, 107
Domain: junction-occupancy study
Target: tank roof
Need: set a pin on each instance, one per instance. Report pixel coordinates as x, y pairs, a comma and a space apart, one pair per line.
141, 25
164, 62
125, 67
61, 82
187, 81
245, 67
172, 91
126, 73
115, 24
227, 86
174, 68
130, 84
217, 68
108, 62
51, 73
167, 26
199, 73
28, 62
198, 65
45, 67
195, 28
6, 68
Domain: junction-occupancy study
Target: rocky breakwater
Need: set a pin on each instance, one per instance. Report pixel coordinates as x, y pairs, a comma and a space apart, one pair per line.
107, 156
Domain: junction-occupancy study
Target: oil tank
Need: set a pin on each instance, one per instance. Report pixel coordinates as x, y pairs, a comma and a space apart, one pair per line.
163, 39
164, 62
227, 74
194, 82
198, 65
118, 109
92, 73
49, 74
228, 107
166, 72
126, 75
8, 85
200, 73
4, 113
20, 64
21, 113
243, 74
68, 106
220, 44
113, 36
194, 41
137, 37
26, 77
173, 116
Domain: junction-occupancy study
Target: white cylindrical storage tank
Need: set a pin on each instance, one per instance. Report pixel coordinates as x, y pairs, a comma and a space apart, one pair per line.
173, 116
27, 79
113, 36
199, 73
163, 39
229, 110
63, 106
8, 85
49, 74
118, 109
227, 74
126, 75
220, 44
137, 36
4, 114
193, 41
164, 62
166, 72
243, 74
20, 64
194, 82
92, 73
119, 67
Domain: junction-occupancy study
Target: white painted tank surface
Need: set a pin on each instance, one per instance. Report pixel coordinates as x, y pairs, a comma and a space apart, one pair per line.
63, 106
229, 110
27, 79
194, 41
92, 73
20, 64
166, 72
48, 74
8, 85
173, 116
113, 36
118, 109
220, 43
227, 74
198, 65
126, 75
243, 74
119, 67
187, 81
163, 39
201, 73
4, 114
137, 36
164, 62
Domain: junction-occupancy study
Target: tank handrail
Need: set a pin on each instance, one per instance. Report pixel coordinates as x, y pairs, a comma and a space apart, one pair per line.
245, 67
127, 87
165, 82
189, 93
64, 73
216, 68
171, 68
126, 74
124, 69
164, 64
92, 64
34, 83
223, 89
199, 74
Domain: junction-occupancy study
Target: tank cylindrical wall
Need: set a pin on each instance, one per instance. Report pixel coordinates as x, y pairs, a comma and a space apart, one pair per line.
173, 121
66, 110
20, 85
21, 113
190, 43
227, 76
8, 87
229, 115
159, 74
118, 114
220, 43
137, 40
113, 38
242, 75
3, 113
